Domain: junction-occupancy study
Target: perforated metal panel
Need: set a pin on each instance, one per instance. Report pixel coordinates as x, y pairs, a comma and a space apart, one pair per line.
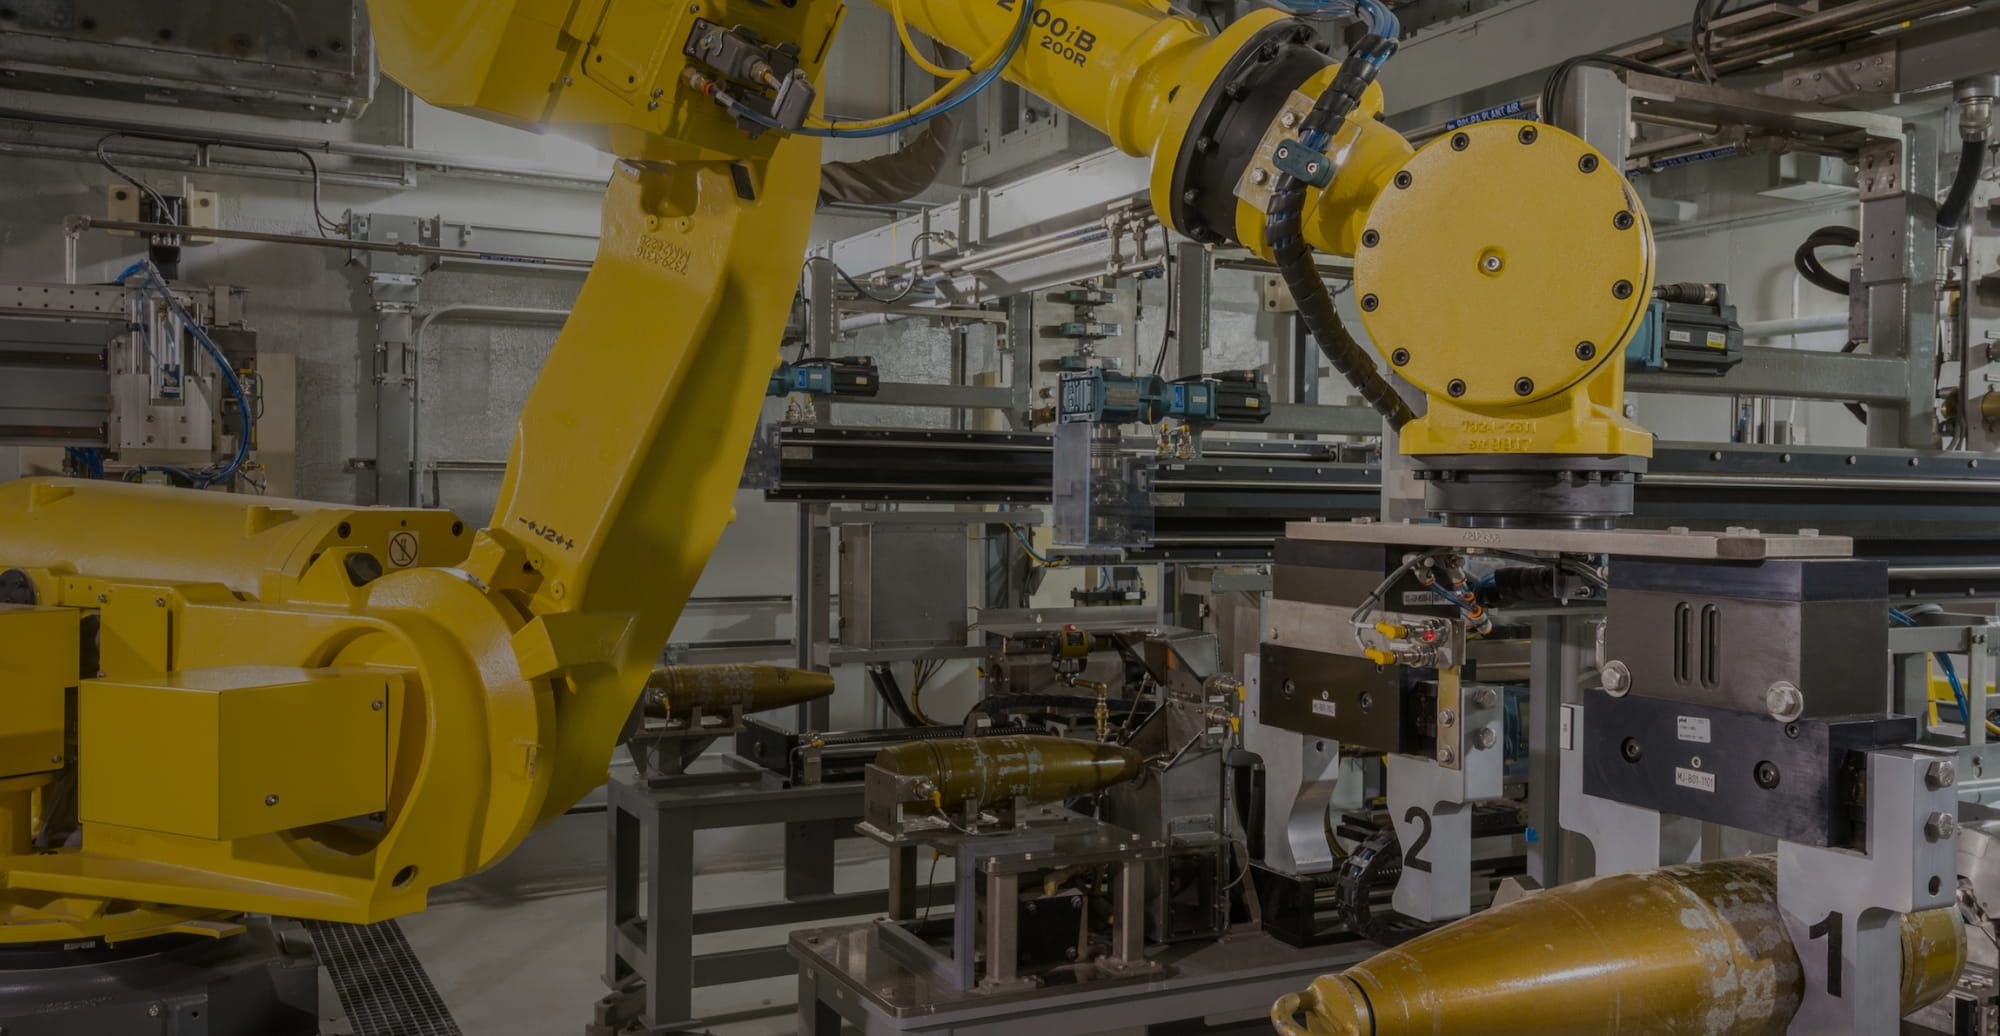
381, 984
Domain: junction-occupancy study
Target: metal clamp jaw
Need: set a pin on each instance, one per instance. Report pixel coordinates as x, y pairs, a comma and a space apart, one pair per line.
1842, 909
1431, 799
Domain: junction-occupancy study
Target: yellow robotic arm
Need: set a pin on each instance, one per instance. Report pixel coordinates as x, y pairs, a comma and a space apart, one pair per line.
275, 713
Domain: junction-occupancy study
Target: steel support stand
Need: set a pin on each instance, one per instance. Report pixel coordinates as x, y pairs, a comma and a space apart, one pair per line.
1843, 909
1431, 800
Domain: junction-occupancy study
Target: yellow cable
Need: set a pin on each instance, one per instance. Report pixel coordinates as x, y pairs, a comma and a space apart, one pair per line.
917, 693
910, 47
1940, 691
980, 64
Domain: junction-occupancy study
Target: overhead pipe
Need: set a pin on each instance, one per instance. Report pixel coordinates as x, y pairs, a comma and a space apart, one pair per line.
79, 223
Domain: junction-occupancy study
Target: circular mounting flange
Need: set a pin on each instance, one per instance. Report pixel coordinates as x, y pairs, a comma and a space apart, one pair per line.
1499, 252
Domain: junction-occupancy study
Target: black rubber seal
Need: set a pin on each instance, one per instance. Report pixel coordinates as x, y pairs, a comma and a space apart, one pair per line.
1231, 121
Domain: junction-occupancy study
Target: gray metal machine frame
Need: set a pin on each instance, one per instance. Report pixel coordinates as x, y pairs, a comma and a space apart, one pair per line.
651, 921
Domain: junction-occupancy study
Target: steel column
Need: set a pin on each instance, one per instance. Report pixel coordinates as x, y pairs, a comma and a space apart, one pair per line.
1193, 279
1896, 302
812, 607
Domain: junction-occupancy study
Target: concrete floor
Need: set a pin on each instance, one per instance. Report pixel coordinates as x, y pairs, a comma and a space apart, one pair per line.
532, 965
519, 949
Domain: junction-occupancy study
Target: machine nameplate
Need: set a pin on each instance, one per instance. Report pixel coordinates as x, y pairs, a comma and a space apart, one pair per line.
1695, 779
1323, 708
1693, 728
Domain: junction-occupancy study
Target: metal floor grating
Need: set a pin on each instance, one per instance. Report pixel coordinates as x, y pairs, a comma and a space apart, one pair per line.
381, 984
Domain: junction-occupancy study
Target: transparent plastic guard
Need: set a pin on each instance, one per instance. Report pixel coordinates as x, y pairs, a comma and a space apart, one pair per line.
1103, 495
760, 469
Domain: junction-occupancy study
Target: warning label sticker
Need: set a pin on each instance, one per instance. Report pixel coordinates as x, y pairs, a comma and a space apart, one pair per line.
402, 549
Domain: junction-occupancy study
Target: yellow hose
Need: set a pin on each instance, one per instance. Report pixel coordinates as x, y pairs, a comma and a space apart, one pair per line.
979, 64
910, 47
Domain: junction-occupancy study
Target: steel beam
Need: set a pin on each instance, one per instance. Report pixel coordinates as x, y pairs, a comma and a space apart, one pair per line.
1307, 419
970, 397
1790, 374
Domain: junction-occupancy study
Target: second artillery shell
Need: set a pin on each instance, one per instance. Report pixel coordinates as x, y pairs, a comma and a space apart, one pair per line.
989, 770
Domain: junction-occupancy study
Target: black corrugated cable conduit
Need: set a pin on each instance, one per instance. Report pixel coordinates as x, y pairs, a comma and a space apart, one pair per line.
1806, 259
1971, 160
1285, 216
891, 693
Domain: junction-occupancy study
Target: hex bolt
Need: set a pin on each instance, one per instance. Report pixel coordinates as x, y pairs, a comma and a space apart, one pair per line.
376, 705
1485, 698
1617, 679
1288, 120
1491, 264
154, 1010
1447, 756
1784, 701
1447, 718
1483, 738
1259, 177
1941, 774
1941, 826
